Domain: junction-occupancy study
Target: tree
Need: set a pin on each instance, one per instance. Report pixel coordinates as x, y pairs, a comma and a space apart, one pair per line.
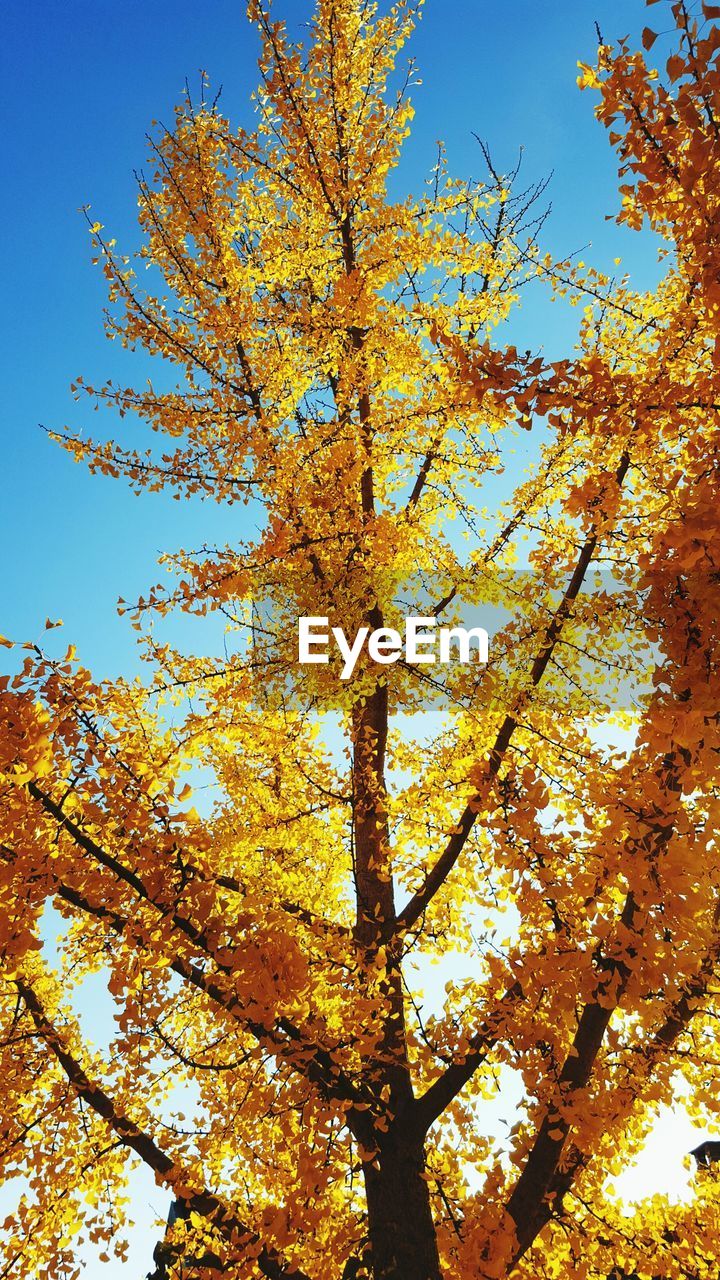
542, 826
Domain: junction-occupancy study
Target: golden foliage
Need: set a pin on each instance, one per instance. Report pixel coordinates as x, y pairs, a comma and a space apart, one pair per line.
542, 829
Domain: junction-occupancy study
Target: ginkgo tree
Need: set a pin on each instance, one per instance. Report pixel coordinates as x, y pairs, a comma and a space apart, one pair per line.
417, 887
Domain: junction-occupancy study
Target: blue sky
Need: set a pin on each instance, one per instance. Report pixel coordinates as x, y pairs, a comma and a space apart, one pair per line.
82, 82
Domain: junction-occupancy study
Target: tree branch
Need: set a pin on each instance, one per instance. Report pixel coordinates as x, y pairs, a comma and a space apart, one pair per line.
205, 1203
284, 1040
530, 1204
438, 874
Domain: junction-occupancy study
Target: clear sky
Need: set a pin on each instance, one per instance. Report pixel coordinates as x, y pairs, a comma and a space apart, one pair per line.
82, 80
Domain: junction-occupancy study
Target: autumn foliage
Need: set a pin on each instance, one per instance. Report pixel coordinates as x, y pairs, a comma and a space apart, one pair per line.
393, 898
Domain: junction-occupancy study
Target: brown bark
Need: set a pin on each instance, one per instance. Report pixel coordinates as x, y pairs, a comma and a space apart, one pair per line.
400, 1224
403, 1244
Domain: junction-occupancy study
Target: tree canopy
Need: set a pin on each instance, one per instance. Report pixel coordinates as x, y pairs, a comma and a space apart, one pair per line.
399, 894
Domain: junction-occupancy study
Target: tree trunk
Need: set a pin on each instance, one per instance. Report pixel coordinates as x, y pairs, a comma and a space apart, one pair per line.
403, 1244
